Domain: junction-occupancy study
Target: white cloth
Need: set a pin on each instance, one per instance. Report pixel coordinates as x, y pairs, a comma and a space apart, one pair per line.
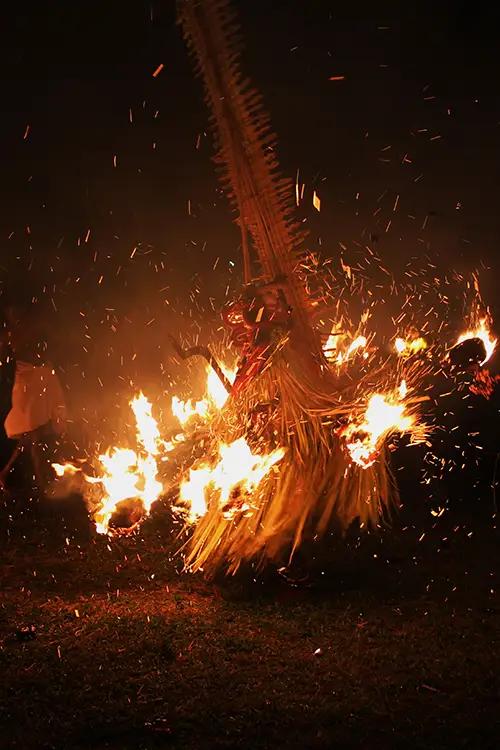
37, 398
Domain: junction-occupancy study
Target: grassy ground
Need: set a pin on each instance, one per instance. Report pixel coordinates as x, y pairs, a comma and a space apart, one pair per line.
393, 642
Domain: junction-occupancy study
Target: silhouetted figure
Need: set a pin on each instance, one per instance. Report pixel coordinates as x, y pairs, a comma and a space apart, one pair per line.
38, 411
468, 355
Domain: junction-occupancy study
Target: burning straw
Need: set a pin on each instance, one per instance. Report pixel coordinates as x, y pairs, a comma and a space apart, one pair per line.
317, 480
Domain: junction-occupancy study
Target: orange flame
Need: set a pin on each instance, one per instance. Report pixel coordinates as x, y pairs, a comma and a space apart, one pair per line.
338, 357
481, 331
186, 410
385, 413
215, 398
408, 347
237, 473
125, 473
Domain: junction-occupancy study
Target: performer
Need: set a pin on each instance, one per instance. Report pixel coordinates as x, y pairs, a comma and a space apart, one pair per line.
258, 320
38, 410
467, 356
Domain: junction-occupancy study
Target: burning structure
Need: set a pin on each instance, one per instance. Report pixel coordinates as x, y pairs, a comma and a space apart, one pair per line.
297, 438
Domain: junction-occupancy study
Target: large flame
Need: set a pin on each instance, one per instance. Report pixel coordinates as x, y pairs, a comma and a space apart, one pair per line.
234, 477
385, 413
481, 331
148, 434
215, 397
126, 474
129, 474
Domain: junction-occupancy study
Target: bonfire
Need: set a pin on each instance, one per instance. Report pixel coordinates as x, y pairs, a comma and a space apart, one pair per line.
295, 440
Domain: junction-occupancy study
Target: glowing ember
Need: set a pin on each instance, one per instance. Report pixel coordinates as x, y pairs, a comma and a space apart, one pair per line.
384, 414
400, 345
236, 475
482, 332
407, 348
215, 398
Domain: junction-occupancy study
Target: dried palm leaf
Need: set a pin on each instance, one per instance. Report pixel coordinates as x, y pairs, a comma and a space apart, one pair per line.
315, 483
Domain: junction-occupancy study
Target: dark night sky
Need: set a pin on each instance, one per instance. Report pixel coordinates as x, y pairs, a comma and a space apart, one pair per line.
418, 115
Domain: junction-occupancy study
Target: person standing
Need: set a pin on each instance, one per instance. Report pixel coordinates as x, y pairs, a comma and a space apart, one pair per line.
38, 410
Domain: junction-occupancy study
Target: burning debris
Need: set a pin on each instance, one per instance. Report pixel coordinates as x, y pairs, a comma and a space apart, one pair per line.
232, 480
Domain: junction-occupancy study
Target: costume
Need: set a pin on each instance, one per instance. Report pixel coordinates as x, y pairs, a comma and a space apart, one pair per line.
257, 322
